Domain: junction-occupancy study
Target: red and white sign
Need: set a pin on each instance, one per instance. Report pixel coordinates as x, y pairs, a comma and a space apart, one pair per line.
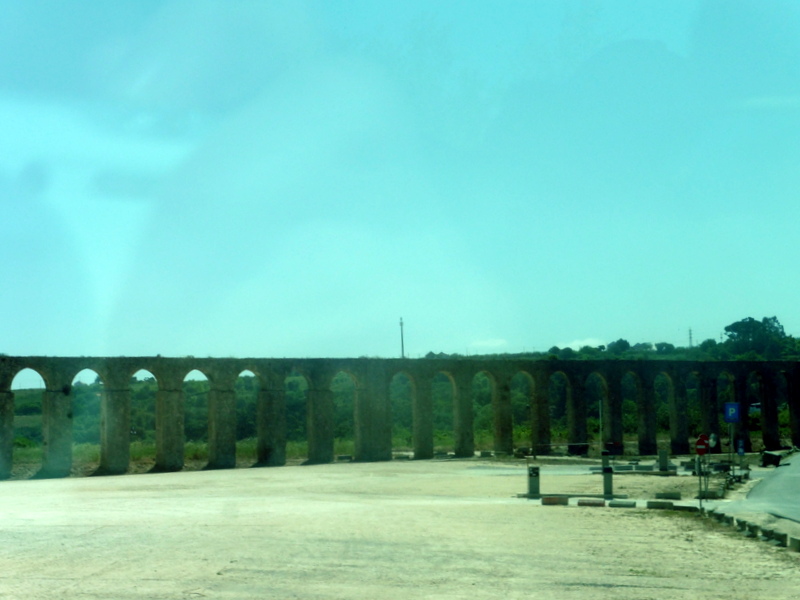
701, 445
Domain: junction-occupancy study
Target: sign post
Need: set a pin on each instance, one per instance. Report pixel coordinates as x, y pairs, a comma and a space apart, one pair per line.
701, 448
731, 416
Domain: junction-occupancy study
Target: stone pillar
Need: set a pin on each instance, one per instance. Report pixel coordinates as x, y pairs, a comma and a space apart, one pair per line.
503, 418
678, 420
373, 415
320, 423
648, 420
577, 436
115, 426
463, 418
612, 415
741, 430
770, 430
422, 416
6, 433
271, 423
709, 409
540, 414
222, 422
169, 424
57, 431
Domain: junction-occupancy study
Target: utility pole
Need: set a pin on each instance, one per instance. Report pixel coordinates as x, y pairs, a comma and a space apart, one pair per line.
690, 337
402, 342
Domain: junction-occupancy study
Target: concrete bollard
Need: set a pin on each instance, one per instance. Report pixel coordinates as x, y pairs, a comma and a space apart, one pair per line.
663, 460
533, 482
753, 530
608, 483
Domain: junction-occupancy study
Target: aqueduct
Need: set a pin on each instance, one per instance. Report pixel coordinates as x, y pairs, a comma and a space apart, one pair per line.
372, 407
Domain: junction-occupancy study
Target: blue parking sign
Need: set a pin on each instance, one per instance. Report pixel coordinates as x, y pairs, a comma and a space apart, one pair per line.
731, 412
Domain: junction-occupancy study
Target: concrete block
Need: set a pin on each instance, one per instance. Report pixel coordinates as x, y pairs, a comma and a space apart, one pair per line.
591, 502
662, 504
794, 544
644, 468
622, 504
686, 508
555, 500
668, 495
780, 539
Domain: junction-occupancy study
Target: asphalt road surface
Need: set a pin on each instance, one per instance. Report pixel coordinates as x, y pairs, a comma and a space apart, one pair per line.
777, 494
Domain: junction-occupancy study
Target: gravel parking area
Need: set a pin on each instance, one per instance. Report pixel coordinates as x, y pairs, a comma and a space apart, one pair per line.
404, 529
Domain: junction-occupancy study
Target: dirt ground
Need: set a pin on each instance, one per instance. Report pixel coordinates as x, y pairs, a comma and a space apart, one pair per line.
402, 529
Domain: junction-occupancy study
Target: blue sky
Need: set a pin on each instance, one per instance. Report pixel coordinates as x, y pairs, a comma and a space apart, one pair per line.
289, 179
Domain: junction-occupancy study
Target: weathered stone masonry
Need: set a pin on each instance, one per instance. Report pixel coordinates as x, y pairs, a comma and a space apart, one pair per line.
372, 407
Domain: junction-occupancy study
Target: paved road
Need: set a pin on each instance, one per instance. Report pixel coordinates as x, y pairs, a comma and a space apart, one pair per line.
777, 494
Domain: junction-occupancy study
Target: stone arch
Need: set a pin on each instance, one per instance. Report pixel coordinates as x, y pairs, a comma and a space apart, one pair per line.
344, 386
773, 401
671, 398
196, 388
297, 389
21, 422
524, 414
751, 406
247, 390
91, 411
403, 399
638, 414
568, 408
144, 390
444, 397
492, 412
598, 409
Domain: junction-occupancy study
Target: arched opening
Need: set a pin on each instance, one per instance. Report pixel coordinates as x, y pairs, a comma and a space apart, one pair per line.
28, 390
443, 401
597, 411
522, 389
343, 387
637, 428
402, 395
87, 396
775, 412
663, 393
559, 393
483, 408
143, 420
195, 419
751, 410
246, 390
296, 394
